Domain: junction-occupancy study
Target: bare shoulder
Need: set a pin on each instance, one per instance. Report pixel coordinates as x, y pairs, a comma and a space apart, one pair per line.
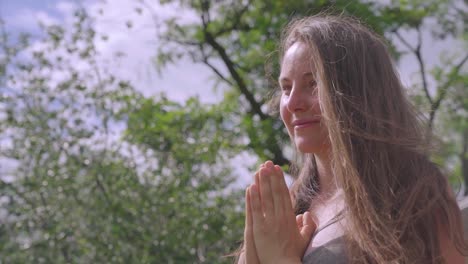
448, 249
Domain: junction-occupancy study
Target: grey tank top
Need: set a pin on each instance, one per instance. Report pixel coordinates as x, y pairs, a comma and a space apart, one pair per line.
333, 252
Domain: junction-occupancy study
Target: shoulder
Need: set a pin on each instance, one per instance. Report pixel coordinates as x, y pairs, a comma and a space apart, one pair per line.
447, 235
448, 249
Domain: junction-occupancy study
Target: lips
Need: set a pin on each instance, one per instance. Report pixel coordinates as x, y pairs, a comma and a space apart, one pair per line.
302, 123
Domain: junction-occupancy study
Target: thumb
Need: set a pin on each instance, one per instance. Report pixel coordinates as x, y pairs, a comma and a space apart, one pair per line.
308, 227
299, 221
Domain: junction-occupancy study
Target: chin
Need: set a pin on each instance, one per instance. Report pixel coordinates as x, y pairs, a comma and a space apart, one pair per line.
307, 148
311, 147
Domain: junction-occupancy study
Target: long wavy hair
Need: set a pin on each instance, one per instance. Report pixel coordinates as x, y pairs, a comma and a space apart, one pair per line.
395, 197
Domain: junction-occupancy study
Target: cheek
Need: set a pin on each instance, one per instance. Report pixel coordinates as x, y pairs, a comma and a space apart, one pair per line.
285, 115
283, 110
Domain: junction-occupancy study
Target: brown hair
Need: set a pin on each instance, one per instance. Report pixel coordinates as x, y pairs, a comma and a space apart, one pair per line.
395, 196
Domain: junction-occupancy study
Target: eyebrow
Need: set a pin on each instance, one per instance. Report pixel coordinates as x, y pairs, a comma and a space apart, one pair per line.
306, 74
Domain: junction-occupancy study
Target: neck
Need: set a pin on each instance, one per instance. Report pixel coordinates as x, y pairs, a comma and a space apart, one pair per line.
328, 186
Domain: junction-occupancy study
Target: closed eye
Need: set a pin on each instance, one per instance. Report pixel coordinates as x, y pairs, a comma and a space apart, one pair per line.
286, 89
312, 87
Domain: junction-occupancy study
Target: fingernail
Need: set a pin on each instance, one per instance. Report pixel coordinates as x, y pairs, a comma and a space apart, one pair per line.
253, 189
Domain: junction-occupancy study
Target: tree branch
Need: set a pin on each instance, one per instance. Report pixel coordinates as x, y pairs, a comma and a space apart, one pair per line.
417, 52
180, 42
398, 35
464, 160
236, 23
101, 188
236, 76
211, 66
461, 63
443, 89
422, 69
255, 106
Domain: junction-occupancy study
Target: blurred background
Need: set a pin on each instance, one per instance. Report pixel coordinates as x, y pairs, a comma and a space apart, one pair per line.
129, 128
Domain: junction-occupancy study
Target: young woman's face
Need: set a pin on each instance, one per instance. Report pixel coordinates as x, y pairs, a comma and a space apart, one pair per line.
300, 105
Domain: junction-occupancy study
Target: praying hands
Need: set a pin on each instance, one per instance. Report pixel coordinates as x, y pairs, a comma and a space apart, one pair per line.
272, 233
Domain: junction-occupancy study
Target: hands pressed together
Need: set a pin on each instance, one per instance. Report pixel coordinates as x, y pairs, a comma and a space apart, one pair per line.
273, 234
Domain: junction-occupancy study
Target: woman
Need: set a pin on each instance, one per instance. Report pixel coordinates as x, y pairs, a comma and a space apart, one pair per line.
365, 190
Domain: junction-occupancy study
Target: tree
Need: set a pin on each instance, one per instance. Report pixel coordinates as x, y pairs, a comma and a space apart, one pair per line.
234, 39
160, 191
443, 95
81, 193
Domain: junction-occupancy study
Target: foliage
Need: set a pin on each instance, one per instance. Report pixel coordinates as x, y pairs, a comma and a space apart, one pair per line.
80, 193
234, 39
103, 174
241, 36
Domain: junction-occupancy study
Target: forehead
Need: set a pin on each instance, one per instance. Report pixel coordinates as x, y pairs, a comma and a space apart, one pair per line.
297, 61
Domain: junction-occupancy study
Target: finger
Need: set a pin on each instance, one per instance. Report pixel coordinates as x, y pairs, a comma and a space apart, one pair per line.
308, 227
248, 215
250, 251
257, 180
268, 163
256, 207
260, 167
299, 221
277, 191
287, 203
247, 208
266, 193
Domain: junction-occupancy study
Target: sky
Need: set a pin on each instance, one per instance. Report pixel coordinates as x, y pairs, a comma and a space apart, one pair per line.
178, 81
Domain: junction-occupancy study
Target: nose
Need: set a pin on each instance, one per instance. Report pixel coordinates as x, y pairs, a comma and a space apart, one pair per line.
299, 100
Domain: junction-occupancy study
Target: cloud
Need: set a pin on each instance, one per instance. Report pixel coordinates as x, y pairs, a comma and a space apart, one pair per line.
130, 30
137, 43
28, 20
128, 51
65, 7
